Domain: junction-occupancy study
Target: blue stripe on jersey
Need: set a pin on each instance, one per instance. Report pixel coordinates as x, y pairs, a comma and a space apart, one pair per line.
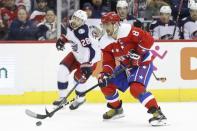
114, 96
62, 86
143, 96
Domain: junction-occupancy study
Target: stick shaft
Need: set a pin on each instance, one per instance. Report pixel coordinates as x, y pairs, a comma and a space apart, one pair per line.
177, 18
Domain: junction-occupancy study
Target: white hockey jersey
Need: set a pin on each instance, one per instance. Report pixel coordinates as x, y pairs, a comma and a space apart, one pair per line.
162, 31
81, 43
189, 28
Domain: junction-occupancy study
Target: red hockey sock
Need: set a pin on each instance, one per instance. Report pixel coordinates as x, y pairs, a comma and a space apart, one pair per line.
152, 103
115, 105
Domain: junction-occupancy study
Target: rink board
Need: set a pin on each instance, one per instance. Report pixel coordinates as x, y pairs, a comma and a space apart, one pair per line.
28, 73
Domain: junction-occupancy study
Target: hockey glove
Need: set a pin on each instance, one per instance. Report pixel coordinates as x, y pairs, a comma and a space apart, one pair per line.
86, 69
61, 42
103, 79
134, 57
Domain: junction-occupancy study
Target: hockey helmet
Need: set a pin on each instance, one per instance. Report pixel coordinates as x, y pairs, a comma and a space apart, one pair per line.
81, 14
121, 4
166, 9
193, 6
110, 17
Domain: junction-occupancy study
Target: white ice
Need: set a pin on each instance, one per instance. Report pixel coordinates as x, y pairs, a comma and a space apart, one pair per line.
181, 117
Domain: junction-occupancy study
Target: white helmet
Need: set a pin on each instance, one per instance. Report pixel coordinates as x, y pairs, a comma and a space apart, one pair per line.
193, 6
165, 9
122, 3
81, 14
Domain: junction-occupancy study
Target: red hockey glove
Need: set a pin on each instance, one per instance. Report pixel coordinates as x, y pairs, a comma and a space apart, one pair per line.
103, 79
61, 42
86, 69
135, 58
82, 74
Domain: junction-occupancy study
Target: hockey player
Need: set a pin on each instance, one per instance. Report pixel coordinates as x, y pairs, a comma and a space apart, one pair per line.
78, 59
130, 46
163, 28
123, 11
189, 24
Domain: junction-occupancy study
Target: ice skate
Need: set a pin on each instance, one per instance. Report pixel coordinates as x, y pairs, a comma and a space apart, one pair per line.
113, 114
59, 101
77, 102
158, 118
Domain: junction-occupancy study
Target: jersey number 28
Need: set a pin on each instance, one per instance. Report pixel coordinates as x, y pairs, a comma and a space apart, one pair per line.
85, 42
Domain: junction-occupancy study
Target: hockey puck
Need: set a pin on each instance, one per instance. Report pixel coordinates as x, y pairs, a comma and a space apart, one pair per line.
39, 123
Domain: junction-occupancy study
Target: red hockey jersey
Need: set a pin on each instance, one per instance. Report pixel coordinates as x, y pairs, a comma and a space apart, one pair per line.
128, 38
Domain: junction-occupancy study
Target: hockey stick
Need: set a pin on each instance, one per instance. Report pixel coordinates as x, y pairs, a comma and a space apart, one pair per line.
50, 114
177, 18
63, 102
162, 79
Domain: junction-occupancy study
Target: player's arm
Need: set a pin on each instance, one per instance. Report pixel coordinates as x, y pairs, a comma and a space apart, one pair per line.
61, 42
108, 66
143, 41
108, 62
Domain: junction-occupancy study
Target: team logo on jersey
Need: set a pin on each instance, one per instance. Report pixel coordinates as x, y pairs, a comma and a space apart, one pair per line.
81, 31
194, 35
167, 37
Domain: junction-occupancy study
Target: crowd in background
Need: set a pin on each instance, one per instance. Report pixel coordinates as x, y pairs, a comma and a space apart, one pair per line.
36, 19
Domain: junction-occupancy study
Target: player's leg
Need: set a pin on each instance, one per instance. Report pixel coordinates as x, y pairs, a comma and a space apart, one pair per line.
67, 65
138, 91
113, 102
111, 94
80, 77
148, 100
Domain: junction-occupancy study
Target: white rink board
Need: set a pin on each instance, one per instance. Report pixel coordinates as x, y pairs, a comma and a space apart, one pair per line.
37, 64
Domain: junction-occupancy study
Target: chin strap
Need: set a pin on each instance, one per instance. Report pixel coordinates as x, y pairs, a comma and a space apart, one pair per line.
70, 21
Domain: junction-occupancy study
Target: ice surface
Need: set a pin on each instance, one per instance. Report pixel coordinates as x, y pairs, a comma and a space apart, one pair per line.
181, 117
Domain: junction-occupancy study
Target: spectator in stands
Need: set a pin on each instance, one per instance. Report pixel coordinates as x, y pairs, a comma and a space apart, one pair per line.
22, 28
24, 3
52, 4
8, 12
163, 28
87, 7
189, 24
184, 9
147, 9
138, 8
99, 8
38, 14
47, 30
3, 31
123, 12
153, 9
7, 15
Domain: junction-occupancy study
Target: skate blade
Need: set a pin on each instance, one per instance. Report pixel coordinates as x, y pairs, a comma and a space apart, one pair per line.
115, 117
159, 123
